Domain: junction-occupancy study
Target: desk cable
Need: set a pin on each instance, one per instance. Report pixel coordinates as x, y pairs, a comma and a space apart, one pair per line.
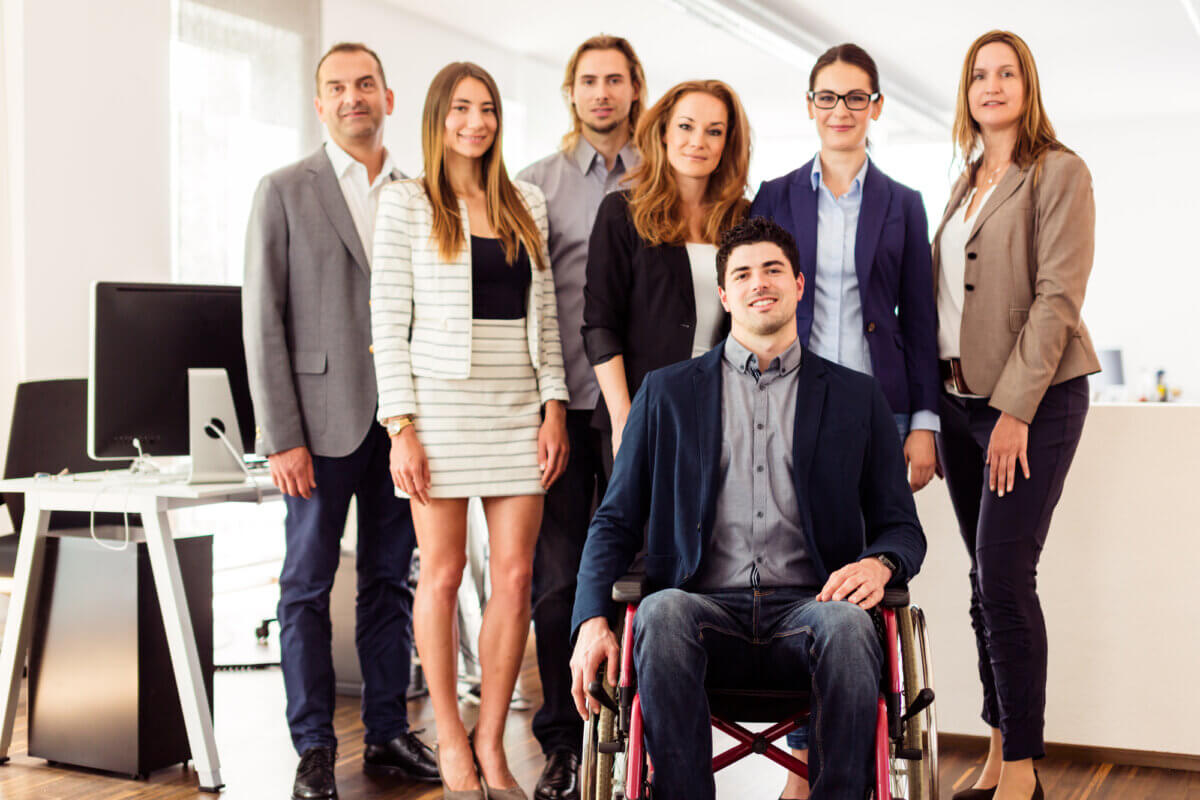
213, 430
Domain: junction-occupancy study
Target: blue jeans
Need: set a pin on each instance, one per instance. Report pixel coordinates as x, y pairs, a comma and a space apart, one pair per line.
798, 739
746, 638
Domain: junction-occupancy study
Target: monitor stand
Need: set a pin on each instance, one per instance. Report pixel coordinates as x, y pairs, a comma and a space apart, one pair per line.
210, 406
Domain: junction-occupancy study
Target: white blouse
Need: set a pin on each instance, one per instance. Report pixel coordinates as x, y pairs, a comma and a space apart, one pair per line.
952, 279
703, 259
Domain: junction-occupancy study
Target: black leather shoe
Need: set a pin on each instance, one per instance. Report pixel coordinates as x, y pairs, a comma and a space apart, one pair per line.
560, 778
406, 756
314, 776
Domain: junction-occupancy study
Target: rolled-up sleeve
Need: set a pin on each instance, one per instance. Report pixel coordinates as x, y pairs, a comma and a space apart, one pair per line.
609, 281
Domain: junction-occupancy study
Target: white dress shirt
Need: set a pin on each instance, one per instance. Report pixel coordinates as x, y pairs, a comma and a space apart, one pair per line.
361, 198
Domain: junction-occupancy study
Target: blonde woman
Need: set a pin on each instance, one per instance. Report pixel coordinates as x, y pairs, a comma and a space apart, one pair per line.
651, 293
1011, 261
472, 391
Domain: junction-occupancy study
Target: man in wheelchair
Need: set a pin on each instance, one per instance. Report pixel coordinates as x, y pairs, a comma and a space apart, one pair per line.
771, 490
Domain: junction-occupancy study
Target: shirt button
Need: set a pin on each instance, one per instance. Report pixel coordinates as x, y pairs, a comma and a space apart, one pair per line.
760, 468
759, 559
760, 426
759, 515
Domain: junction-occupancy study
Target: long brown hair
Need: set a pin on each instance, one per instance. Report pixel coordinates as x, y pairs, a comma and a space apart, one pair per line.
636, 76
655, 203
1035, 134
506, 211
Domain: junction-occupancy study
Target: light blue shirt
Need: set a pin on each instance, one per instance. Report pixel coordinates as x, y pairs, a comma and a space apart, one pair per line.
837, 328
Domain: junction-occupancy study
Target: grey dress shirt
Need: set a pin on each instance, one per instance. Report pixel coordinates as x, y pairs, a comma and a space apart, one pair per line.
574, 184
757, 539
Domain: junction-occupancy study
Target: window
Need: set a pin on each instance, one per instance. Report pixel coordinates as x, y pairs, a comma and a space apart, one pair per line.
241, 106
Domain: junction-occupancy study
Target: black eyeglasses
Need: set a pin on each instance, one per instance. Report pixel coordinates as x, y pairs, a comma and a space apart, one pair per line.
855, 101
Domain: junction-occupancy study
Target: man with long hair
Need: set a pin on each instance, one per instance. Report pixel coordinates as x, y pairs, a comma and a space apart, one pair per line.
604, 88
308, 338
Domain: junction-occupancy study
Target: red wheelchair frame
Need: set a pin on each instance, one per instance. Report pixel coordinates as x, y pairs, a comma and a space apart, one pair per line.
898, 738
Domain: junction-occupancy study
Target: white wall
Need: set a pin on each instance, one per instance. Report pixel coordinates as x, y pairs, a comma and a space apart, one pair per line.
413, 49
86, 171
9, 306
1144, 294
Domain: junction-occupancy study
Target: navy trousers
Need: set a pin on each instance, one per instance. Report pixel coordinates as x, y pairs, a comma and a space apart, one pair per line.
1004, 538
383, 629
567, 512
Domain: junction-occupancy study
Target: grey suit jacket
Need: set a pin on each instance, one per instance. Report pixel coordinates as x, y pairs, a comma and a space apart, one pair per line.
306, 319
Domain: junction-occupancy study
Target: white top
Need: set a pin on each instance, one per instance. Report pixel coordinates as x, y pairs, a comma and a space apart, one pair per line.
703, 258
361, 198
952, 280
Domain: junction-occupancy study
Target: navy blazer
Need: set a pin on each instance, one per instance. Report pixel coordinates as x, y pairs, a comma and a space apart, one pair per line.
895, 278
850, 479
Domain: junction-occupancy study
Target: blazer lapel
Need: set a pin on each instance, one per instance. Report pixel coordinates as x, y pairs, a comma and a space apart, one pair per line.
681, 266
870, 224
333, 203
810, 405
956, 197
1009, 184
804, 220
706, 392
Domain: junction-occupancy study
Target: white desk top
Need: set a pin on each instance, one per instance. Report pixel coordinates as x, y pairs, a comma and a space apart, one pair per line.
126, 484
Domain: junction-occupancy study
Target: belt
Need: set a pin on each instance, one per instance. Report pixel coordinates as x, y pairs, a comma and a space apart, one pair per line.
952, 375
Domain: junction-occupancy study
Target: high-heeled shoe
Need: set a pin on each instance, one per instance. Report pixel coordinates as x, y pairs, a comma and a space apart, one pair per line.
489, 792
988, 794
460, 794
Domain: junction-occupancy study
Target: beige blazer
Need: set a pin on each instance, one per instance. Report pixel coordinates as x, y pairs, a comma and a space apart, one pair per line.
1028, 258
421, 305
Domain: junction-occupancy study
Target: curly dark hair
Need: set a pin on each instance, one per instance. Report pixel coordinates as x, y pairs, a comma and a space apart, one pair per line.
753, 231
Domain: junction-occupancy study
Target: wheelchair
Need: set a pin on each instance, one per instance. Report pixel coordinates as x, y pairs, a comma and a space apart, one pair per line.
616, 766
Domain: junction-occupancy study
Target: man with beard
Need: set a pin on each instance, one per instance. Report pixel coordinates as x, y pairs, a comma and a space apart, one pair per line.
308, 335
604, 88
771, 491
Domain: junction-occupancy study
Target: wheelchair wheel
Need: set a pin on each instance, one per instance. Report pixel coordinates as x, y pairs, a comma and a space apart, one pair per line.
596, 768
916, 779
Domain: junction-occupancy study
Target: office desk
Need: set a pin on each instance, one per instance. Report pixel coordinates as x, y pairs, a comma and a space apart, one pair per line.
152, 498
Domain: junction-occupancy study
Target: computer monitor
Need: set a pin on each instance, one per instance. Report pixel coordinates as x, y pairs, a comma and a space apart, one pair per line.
145, 338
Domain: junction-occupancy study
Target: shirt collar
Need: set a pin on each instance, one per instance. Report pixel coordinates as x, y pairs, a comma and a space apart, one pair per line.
858, 178
343, 162
745, 362
584, 155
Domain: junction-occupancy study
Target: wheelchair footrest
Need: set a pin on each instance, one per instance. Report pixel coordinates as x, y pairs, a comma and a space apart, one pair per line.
907, 753
611, 748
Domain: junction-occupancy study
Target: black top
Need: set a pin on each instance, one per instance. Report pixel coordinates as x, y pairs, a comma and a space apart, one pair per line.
638, 302
498, 290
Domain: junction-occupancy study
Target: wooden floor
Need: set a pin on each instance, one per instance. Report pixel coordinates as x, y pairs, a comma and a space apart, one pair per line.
258, 762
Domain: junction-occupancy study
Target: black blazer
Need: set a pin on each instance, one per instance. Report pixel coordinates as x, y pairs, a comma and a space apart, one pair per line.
638, 301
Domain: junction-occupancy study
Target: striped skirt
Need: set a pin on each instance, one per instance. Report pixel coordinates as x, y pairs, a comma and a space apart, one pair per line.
480, 433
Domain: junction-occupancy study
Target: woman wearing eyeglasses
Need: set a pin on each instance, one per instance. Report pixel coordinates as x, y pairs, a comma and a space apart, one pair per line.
1011, 262
864, 251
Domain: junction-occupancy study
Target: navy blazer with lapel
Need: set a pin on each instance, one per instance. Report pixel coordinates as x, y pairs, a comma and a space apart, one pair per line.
853, 493
895, 278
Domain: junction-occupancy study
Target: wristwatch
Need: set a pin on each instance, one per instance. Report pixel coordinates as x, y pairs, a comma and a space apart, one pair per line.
397, 424
886, 560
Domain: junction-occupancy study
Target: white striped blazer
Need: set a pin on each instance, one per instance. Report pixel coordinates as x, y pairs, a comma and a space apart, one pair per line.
421, 305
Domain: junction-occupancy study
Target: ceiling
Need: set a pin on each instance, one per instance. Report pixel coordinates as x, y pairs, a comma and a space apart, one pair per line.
1097, 61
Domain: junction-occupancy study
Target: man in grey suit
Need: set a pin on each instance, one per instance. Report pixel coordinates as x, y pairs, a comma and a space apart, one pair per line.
307, 335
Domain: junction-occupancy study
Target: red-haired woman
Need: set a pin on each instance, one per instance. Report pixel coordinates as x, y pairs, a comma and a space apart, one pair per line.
651, 294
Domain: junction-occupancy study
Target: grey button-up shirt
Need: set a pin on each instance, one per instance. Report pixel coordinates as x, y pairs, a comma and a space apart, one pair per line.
574, 184
757, 538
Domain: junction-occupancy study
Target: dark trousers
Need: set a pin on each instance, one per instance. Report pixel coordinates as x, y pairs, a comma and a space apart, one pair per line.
565, 517
383, 629
1004, 538
770, 638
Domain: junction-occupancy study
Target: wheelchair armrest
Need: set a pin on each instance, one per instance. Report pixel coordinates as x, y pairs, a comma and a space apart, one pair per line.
895, 597
629, 589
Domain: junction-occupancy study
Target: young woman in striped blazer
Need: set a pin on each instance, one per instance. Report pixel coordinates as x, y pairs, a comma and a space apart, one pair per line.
472, 390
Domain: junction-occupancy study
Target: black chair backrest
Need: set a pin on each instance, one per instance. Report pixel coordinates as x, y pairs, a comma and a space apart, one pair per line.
49, 434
